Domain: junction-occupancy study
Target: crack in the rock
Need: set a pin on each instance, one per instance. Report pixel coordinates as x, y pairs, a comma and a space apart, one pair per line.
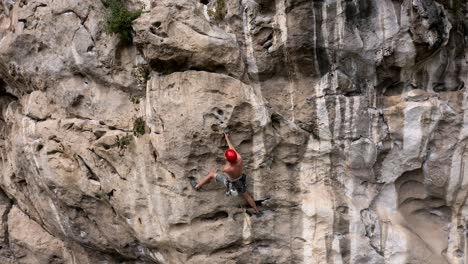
35, 118
5, 93
13, 202
74, 33
69, 11
108, 163
374, 247
368, 235
203, 33
37, 6
385, 123
6, 234
92, 175
333, 95
83, 21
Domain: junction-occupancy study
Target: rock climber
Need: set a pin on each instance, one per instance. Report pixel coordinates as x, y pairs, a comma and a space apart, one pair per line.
231, 176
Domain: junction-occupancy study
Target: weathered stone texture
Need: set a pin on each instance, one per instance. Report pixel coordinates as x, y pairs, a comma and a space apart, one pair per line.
351, 117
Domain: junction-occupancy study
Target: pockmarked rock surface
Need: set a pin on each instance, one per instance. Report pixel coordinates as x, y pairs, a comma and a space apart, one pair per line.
351, 117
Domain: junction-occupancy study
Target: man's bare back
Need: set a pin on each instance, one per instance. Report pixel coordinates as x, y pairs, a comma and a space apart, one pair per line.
234, 170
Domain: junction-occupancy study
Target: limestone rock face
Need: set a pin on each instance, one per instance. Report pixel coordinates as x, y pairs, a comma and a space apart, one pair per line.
351, 118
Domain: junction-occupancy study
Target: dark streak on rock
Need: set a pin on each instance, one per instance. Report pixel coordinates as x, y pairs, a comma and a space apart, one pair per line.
91, 174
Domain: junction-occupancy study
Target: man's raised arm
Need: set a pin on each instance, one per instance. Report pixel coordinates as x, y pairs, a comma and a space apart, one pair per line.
226, 136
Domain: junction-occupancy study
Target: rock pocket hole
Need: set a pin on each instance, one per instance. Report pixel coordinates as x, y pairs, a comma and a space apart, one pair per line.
220, 112
343, 209
215, 216
215, 128
110, 194
22, 184
156, 31
276, 121
99, 133
77, 100
39, 147
55, 259
156, 24
205, 2
155, 156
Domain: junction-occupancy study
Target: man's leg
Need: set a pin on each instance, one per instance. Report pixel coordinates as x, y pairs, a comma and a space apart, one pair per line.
205, 180
250, 201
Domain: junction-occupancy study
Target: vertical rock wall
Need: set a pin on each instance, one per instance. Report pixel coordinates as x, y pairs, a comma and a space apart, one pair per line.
350, 115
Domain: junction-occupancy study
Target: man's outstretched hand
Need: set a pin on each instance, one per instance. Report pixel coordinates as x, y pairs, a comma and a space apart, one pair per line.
226, 136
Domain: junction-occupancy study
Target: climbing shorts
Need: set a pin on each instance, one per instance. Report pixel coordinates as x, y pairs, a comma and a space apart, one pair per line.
233, 188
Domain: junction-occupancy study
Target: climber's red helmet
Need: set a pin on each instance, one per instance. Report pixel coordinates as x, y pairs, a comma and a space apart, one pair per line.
231, 155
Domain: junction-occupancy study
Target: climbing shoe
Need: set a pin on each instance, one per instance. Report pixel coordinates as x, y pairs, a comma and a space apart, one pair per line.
194, 184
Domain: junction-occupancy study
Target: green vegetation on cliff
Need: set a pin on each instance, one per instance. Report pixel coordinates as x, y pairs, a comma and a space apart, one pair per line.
218, 12
119, 20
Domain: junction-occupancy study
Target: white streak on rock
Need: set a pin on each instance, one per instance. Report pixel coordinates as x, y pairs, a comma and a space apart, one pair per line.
356, 114
337, 127
412, 130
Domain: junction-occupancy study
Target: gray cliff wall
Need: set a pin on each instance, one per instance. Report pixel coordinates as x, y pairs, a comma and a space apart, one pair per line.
351, 116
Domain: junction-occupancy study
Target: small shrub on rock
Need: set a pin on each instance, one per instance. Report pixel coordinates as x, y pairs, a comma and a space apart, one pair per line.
139, 127
218, 12
123, 142
119, 20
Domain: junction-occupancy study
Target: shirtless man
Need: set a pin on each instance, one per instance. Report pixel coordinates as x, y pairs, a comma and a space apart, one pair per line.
231, 177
